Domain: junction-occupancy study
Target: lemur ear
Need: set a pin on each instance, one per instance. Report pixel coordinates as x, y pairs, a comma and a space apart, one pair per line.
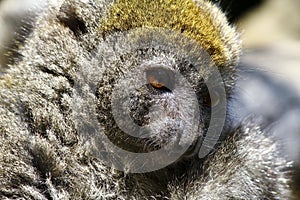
68, 17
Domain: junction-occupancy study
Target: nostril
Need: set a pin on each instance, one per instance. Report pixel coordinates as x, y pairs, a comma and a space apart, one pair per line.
139, 109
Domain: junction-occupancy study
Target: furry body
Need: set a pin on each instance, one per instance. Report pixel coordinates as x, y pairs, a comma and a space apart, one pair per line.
44, 157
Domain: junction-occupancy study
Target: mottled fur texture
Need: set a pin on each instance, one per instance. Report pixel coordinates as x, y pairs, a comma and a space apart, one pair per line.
42, 154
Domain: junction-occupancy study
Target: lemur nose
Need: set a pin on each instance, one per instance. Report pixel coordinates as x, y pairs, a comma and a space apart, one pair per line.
139, 105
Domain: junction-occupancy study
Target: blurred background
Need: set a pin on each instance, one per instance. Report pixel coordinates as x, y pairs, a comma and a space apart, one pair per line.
270, 80
269, 86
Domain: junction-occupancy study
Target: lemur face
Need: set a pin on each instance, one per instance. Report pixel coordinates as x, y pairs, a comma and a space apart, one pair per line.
161, 69
160, 97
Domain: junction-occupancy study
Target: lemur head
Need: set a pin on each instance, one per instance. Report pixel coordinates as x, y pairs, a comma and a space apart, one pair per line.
157, 57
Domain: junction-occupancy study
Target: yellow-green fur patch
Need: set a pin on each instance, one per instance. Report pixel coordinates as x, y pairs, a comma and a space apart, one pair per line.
179, 15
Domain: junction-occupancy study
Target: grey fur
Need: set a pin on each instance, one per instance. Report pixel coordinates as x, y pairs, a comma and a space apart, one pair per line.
66, 66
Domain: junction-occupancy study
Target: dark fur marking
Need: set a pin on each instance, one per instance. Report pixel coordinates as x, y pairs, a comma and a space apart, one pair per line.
70, 19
